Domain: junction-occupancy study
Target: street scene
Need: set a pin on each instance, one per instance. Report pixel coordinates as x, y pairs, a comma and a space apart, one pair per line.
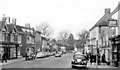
63, 34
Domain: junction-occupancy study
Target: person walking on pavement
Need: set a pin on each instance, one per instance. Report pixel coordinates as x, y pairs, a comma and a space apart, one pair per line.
94, 59
4, 57
103, 59
91, 58
99, 59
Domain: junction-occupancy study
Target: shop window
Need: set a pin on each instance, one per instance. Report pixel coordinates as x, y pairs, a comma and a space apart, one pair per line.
12, 52
1, 51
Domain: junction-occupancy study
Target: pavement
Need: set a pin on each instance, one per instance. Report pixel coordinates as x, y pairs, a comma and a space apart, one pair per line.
99, 66
12, 61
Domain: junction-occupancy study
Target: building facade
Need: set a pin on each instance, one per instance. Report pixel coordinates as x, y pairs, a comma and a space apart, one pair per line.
26, 40
16, 40
100, 34
8, 38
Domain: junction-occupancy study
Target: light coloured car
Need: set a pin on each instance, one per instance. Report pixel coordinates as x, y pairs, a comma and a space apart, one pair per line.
40, 54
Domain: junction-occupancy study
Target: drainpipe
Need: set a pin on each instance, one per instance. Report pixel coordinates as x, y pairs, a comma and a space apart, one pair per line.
118, 26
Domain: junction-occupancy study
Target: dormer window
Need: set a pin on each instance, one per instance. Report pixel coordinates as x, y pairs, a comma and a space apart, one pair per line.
4, 29
14, 30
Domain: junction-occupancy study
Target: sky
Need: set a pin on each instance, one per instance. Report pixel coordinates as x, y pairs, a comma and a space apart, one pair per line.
70, 15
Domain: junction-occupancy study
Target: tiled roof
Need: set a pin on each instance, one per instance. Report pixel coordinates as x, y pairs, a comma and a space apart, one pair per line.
10, 27
1, 24
19, 28
103, 21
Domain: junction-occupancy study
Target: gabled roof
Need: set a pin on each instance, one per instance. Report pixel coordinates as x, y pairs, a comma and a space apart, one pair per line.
103, 21
1, 25
10, 27
38, 32
19, 28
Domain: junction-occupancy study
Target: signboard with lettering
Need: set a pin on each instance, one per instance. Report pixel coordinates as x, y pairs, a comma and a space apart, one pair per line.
113, 23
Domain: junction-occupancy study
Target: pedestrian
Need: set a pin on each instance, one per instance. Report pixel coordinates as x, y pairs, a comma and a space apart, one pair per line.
91, 58
4, 57
87, 56
103, 59
99, 59
94, 58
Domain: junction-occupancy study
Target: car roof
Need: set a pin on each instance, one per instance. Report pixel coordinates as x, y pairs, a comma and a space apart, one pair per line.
79, 53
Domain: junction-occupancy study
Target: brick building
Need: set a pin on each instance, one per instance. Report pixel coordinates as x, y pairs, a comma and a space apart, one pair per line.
16, 40
8, 38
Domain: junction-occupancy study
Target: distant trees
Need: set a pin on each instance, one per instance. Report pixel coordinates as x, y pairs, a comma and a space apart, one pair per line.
82, 38
63, 35
66, 39
47, 32
45, 29
71, 42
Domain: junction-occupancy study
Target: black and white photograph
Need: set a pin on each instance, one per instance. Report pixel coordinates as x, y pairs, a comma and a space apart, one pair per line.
60, 34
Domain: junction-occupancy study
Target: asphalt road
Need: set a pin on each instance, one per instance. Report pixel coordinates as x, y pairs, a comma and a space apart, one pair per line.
48, 62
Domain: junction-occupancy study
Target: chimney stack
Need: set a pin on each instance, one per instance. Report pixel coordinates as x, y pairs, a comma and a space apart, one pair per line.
107, 11
27, 25
14, 21
4, 18
8, 20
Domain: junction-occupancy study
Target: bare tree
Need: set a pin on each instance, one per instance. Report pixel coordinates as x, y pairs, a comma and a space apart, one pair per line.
63, 35
71, 42
45, 29
82, 38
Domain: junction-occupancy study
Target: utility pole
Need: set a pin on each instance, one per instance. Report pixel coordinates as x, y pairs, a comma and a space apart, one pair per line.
118, 23
97, 53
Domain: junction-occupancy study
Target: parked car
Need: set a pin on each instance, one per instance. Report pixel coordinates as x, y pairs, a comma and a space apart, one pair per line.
79, 60
58, 54
40, 54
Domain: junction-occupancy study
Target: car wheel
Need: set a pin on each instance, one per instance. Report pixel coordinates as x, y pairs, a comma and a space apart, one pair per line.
73, 66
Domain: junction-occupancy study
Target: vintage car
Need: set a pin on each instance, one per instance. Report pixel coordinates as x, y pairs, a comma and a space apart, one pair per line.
79, 60
58, 54
41, 55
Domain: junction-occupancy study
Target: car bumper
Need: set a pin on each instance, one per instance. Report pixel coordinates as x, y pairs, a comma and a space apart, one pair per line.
78, 65
40, 56
58, 56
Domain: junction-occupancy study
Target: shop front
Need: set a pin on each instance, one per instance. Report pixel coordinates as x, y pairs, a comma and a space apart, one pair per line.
116, 50
10, 48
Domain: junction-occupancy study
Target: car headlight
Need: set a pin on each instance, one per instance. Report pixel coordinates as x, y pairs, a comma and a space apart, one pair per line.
84, 61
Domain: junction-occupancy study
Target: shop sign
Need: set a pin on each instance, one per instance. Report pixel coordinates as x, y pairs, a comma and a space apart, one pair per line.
113, 23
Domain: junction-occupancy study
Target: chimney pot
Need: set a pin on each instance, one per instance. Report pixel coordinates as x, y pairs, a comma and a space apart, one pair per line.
107, 11
14, 21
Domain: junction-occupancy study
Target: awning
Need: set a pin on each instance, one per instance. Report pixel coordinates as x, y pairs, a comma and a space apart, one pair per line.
9, 43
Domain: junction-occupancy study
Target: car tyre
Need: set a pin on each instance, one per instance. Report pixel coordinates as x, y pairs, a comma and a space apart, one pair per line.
73, 66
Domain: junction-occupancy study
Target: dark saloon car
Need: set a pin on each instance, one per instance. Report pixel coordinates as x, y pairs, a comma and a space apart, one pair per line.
79, 60
58, 54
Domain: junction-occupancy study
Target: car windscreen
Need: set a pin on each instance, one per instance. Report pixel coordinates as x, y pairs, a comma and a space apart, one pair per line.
78, 57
